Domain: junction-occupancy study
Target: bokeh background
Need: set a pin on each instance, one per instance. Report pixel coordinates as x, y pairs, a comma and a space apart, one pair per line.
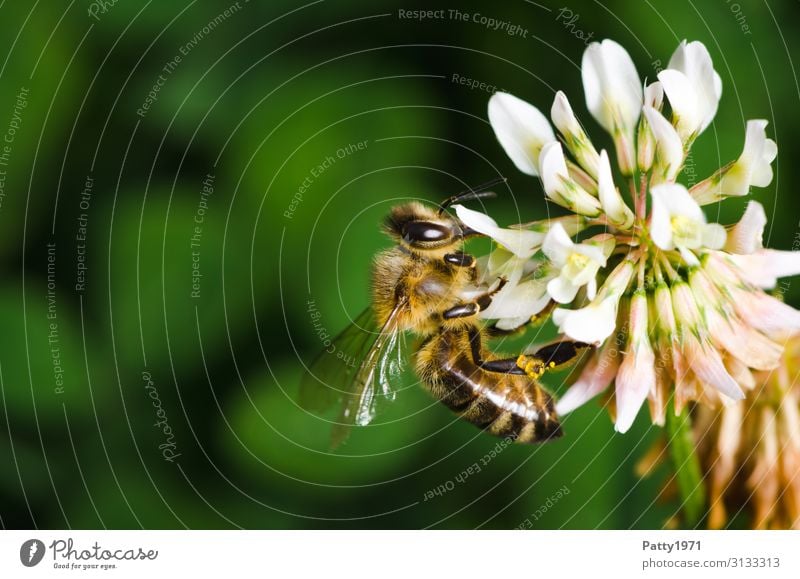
190, 195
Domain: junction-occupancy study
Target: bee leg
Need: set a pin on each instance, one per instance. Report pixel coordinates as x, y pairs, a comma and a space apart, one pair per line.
460, 259
482, 302
551, 357
504, 366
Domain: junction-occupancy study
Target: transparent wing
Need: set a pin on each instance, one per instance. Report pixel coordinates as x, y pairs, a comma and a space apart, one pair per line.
357, 372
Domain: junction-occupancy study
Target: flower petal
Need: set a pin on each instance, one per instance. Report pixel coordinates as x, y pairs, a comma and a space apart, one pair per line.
597, 321
714, 236
595, 377
577, 142
522, 300
636, 377
562, 290
521, 129
694, 61
654, 95
611, 201
521, 242
559, 186
591, 324
612, 86
747, 236
660, 221
669, 148
707, 365
753, 168
557, 245
763, 267
686, 112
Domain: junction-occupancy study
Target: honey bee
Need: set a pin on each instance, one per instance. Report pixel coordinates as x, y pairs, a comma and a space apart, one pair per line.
426, 284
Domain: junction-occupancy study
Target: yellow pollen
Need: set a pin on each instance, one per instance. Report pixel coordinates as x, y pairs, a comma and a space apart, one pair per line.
578, 260
533, 367
682, 226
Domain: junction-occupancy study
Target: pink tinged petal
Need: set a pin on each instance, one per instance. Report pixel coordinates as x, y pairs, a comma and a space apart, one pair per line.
581, 178
562, 290
660, 395
694, 61
636, 377
728, 331
612, 86
765, 266
740, 372
669, 148
700, 355
596, 376
707, 365
746, 344
668, 329
557, 245
766, 313
747, 236
577, 142
619, 214
521, 129
520, 242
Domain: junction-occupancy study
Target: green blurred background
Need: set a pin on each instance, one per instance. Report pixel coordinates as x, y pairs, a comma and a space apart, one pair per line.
130, 401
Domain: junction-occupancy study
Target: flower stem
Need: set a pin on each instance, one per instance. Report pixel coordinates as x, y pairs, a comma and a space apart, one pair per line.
687, 467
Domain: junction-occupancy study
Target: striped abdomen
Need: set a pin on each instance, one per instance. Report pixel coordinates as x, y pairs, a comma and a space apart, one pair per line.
507, 405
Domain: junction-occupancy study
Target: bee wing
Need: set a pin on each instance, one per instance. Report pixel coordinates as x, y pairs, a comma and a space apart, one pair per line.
357, 371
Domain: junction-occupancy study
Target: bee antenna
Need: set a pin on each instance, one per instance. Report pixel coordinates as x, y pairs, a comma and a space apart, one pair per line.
473, 193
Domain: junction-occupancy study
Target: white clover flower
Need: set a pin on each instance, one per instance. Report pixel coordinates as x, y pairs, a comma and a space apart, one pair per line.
577, 263
597, 321
680, 314
521, 129
613, 95
693, 88
678, 222
753, 168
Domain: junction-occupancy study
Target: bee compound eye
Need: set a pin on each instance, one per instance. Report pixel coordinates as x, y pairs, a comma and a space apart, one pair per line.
425, 232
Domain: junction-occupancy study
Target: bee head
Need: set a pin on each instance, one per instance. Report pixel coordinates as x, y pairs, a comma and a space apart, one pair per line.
420, 228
